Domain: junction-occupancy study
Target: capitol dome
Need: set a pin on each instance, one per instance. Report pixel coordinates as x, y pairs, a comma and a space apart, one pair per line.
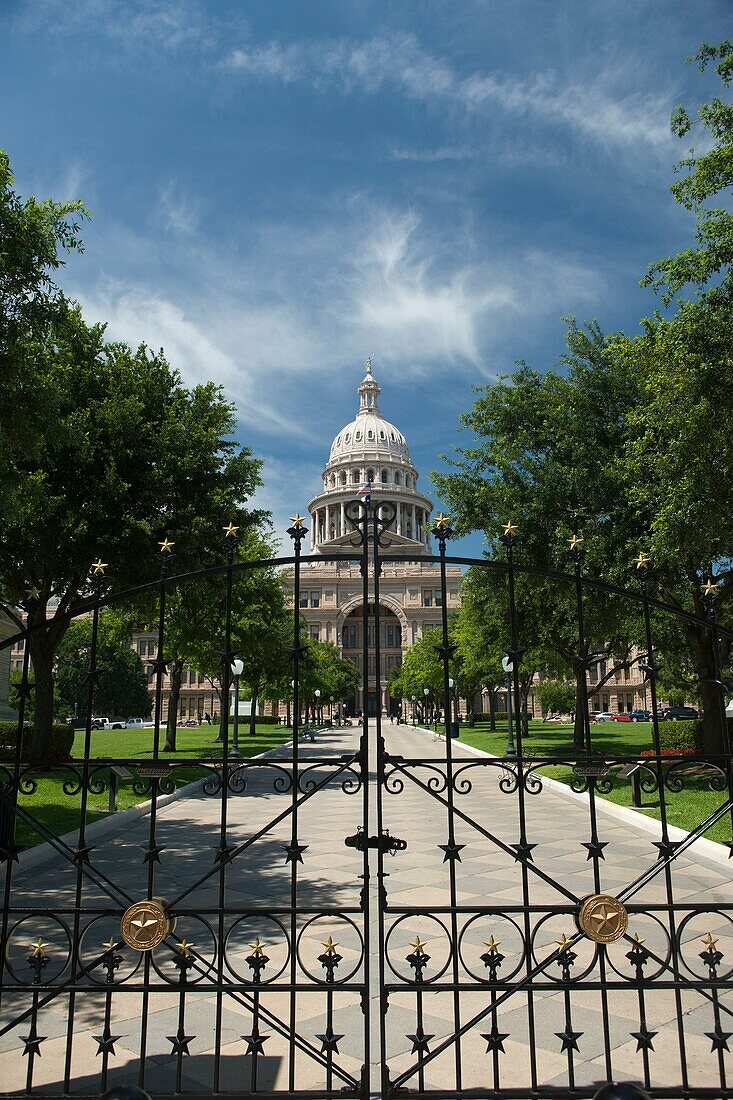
370, 449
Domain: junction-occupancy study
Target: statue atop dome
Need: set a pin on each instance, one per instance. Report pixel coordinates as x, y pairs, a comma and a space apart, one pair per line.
369, 391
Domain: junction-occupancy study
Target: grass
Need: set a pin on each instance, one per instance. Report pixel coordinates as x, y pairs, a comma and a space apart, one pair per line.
60, 813
687, 809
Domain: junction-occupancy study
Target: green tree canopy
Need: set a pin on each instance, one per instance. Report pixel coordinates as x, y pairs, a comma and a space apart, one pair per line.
121, 687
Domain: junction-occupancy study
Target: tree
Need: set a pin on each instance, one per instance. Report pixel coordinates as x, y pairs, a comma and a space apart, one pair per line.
33, 237
324, 669
556, 696
704, 177
134, 456
546, 456
422, 668
121, 687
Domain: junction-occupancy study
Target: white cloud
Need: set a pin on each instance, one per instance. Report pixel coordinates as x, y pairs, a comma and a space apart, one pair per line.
596, 104
434, 156
179, 213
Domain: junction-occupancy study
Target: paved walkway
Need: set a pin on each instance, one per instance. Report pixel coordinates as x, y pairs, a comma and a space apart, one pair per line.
490, 889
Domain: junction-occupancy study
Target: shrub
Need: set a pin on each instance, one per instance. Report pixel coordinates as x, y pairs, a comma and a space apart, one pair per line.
62, 739
268, 720
681, 735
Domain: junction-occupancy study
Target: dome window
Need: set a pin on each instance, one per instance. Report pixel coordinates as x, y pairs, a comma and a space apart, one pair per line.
355, 477
338, 441
384, 477
357, 436
370, 434
342, 479
370, 475
397, 479
347, 437
392, 436
382, 435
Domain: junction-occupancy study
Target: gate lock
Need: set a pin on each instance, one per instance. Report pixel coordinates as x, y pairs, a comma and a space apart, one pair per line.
384, 843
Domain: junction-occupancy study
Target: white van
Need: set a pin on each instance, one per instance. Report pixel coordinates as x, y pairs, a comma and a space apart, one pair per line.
134, 724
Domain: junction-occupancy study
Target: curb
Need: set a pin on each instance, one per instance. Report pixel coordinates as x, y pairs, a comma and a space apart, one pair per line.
701, 848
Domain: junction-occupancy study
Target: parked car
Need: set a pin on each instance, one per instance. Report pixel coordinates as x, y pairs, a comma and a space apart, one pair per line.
100, 723
134, 724
603, 716
680, 714
622, 716
641, 716
114, 724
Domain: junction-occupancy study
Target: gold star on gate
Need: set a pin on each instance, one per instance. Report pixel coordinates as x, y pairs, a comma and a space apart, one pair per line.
184, 948
330, 945
442, 520
709, 941
575, 542
606, 918
510, 529
39, 948
492, 946
638, 941
110, 944
418, 946
32, 593
166, 545
642, 561
563, 943
98, 567
230, 531
711, 588
257, 948
297, 520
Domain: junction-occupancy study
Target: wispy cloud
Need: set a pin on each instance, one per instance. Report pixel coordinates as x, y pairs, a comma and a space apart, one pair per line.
596, 104
434, 156
179, 212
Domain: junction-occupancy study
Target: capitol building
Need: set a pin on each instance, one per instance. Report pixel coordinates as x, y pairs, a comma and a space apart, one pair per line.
370, 449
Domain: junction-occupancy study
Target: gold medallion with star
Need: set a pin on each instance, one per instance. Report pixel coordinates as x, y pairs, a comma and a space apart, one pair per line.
146, 924
603, 918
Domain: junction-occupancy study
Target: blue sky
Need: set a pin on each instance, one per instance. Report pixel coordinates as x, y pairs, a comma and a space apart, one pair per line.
281, 188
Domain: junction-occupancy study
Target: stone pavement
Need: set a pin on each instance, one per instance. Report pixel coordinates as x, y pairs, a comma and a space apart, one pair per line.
490, 889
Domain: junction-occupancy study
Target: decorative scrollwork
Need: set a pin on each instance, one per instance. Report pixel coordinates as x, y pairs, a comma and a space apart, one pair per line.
26, 783
355, 511
7, 779
509, 781
97, 781
677, 774
384, 514
350, 783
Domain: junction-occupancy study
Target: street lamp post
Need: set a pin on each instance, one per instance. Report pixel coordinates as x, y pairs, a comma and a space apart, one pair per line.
318, 704
330, 709
449, 706
508, 667
237, 668
414, 716
426, 693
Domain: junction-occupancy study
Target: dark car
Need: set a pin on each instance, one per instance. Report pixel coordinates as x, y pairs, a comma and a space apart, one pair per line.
641, 716
680, 714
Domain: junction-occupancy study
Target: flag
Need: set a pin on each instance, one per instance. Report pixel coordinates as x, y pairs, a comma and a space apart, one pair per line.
365, 492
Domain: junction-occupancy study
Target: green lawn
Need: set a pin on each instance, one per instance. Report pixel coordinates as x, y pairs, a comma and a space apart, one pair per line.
60, 812
686, 810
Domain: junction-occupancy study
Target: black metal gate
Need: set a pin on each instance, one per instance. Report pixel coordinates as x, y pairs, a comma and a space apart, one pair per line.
256, 945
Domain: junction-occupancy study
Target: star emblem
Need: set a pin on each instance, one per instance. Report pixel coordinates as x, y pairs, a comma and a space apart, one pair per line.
495, 1039
110, 945
298, 521
711, 588
642, 562
106, 1042
492, 946
595, 848
644, 1039
510, 529
185, 948
418, 946
33, 1042
294, 852
719, 1039
255, 1042
442, 521
180, 1042
166, 546
257, 948
224, 853
420, 1041
709, 941
152, 855
452, 851
81, 855
667, 848
98, 567
10, 853
575, 543
329, 1041
32, 593
523, 852
38, 949
606, 919
569, 1039
230, 531
330, 947
563, 943
143, 921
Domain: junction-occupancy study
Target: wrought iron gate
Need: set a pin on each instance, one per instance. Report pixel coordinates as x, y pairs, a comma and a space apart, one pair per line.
255, 945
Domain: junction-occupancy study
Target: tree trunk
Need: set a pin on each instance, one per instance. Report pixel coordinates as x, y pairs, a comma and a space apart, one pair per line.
580, 717
176, 674
42, 651
253, 711
492, 708
701, 643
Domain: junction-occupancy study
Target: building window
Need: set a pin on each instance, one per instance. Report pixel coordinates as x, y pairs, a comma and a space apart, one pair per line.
370, 434
355, 477
310, 598
357, 436
396, 478
347, 437
431, 597
342, 479
315, 633
384, 477
370, 475
349, 637
394, 636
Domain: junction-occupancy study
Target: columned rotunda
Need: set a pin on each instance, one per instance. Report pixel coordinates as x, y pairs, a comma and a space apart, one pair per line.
369, 449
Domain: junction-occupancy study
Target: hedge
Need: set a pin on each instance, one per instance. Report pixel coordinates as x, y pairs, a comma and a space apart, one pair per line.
499, 715
62, 740
681, 735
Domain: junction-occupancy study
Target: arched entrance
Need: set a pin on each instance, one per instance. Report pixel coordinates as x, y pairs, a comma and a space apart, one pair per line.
373, 697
